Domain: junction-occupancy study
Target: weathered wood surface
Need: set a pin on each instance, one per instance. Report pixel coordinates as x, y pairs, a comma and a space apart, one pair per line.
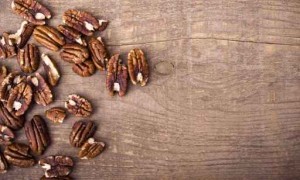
223, 101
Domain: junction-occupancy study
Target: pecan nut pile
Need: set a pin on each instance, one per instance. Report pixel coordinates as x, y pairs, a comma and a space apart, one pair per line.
6, 135
138, 67
78, 106
51, 70
49, 37
81, 132
117, 75
28, 58
56, 166
7, 48
90, 149
18, 154
41, 91
56, 114
84, 69
37, 134
31, 10
21, 37
74, 53
83, 22
99, 53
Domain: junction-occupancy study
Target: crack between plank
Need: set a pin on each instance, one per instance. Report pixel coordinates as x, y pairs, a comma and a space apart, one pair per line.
221, 39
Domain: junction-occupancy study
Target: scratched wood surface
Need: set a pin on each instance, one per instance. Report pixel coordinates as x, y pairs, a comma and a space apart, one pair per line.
223, 101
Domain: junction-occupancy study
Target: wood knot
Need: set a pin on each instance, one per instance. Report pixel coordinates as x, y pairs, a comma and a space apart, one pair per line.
164, 68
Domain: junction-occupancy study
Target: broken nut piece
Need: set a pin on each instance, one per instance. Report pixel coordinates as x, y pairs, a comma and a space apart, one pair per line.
56, 114
117, 75
31, 10
91, 149
78, 106
7, 48
138, 67
21, 37
51, 70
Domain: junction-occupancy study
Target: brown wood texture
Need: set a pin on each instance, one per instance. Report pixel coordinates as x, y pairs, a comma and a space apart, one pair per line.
223, 101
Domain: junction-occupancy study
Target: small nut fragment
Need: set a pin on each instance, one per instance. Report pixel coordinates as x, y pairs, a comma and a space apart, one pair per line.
51, 70
37, 134
41, 91
83, 22
19, 99
6, 135
78, 106
99, 53
71, 34
74, 53
56, 166
81, 132
49, 37
56, 114
28, 58
91, 149
138, 67
31, 10
117, 75
3, 73
23, 34
7, 48
3, 164
57, 178
9, 119
18, 154
84, 69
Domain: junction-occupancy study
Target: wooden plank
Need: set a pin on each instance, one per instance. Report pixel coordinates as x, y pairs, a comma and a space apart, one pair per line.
223, 99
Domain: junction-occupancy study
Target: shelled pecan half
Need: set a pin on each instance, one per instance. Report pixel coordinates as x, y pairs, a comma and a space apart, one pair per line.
74, 53
78, 106
81, 131
6, 135
138, 67
18, 154
56, 166
84, 69
91, 149
99, 53
71, 34
9, 119
56, 114
28, 58
117, 75
3, 164
7, 48
31, 10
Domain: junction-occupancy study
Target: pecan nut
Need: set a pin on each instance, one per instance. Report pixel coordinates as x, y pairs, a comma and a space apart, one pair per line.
49, 37
56, 166
72, 35
99, 53
51, 70
28, 58
21, 37
84, 69
41, 91
19, 99
18, 154
74, 53
91, 149
6, 135
81, 132
138, 67
3, 73
56, 114
3, 164
117, 75
78, 106
31, 11
37, 134
7, 48
83, 22
9, 119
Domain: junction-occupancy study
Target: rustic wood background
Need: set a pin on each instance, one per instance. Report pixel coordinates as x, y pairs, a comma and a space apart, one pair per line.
223, 101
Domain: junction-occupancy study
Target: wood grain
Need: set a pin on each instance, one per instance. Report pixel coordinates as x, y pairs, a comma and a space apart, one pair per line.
223, 101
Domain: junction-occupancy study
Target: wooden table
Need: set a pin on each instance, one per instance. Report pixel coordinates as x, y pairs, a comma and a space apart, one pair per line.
223, 101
